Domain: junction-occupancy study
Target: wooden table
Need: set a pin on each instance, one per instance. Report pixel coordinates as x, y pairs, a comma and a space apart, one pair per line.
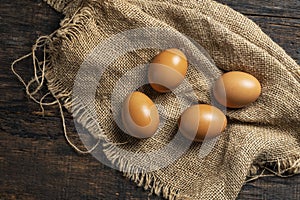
35, 160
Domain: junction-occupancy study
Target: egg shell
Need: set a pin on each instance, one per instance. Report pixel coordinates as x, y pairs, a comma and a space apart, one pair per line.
140, 115
236, 89
201, 121
167, 70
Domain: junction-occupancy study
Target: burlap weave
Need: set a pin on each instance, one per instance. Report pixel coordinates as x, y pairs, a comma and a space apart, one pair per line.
263, 135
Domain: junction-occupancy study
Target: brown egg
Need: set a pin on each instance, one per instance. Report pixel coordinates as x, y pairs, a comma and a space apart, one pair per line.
139, 115
236, 89
167, 70
200, 121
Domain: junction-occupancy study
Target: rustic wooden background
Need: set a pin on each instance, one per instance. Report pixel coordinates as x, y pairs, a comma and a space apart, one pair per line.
35, 160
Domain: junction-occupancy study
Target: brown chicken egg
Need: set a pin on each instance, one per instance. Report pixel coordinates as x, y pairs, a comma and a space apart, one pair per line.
236, 89
201, 121
167, 70
139, 115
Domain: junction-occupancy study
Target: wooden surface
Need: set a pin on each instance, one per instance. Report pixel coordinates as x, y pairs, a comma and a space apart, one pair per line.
35, 160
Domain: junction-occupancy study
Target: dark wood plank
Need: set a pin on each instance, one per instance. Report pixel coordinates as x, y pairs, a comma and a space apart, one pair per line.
35, 160
45, 168
274, 8
272, 188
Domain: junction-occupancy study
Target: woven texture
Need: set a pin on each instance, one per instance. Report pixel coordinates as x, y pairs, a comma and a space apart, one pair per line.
263, 135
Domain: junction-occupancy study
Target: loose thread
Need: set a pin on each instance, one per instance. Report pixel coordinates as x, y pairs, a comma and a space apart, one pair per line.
36, 76
43, 39
259, 176
40, 67
48, 104
67, 137
13, 68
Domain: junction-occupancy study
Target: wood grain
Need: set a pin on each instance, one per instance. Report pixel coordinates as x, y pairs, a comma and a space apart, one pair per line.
35, 160
275, 8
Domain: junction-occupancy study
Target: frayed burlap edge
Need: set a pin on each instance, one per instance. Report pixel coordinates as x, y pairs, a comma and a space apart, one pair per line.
67, 7
282, 167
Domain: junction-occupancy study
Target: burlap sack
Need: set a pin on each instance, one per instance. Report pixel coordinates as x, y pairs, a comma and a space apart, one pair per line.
263, 135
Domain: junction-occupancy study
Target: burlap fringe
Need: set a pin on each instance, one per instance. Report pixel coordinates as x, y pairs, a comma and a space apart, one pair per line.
284, 167
64, 6
146, 180
58, 5
69, 30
